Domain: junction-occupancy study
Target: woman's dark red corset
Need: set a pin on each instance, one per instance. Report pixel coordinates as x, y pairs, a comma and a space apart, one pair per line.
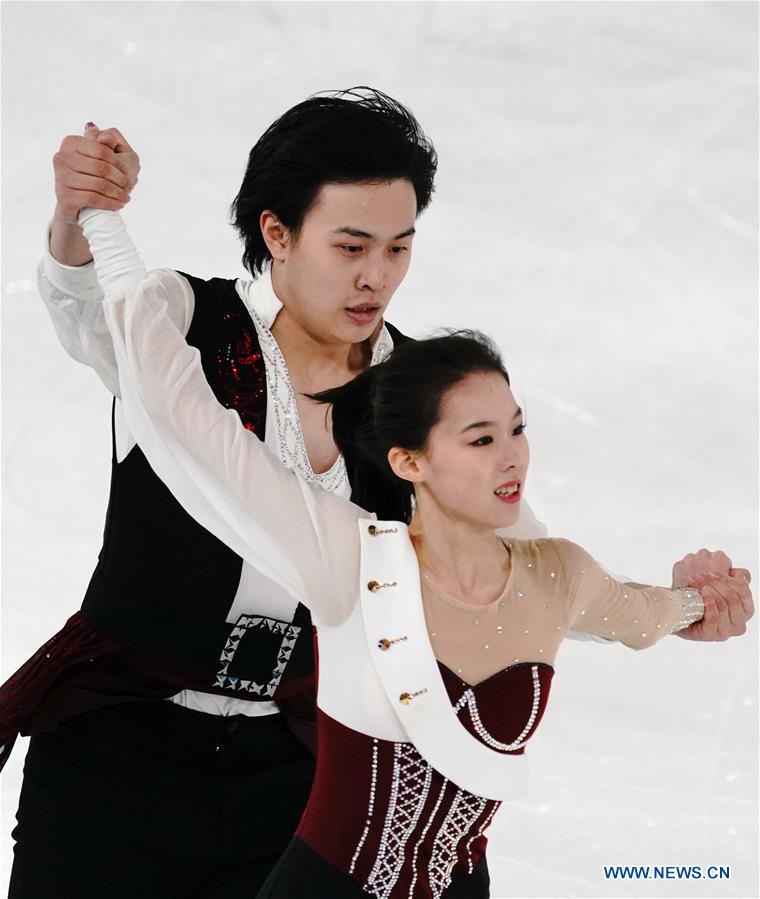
381, 814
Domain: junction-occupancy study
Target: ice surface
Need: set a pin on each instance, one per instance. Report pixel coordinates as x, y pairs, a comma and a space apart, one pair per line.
596, 212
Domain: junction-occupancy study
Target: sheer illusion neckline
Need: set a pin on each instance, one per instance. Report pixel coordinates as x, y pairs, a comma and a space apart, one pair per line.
472, 606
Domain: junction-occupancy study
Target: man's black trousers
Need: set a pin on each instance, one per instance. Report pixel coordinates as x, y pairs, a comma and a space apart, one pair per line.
150, 799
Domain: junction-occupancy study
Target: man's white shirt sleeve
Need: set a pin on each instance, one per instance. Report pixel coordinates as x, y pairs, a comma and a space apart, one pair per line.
73, 298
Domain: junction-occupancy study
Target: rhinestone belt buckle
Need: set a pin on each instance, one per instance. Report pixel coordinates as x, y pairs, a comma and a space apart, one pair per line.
244, 623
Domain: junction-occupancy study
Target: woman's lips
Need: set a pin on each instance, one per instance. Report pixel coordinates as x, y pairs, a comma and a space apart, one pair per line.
512, 492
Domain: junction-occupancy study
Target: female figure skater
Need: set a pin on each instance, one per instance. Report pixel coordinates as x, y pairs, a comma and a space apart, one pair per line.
437, 637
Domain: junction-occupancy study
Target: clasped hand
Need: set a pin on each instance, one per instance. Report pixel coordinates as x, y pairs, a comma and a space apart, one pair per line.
725, 591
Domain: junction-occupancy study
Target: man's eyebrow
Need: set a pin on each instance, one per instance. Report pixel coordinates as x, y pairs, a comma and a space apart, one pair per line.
356, 232
488, 424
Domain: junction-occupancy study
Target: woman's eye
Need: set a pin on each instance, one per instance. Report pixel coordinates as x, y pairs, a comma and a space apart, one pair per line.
351, 248
397, 251
519, 430
482, 441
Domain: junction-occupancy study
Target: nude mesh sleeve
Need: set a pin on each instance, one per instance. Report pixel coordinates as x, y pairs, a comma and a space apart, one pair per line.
636, 616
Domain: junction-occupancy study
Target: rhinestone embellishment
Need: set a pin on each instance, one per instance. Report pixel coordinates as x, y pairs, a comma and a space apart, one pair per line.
289, 633
692, 607
468, 699
370, 810
284, 412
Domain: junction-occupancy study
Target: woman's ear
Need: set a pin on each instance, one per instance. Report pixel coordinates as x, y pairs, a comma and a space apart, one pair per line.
405, 464
275, 234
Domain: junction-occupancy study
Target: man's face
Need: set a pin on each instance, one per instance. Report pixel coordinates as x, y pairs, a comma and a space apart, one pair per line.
351, 254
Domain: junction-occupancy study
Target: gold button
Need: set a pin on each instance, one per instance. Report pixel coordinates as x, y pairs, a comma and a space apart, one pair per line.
385, 644
375, 531
374, 586
406, 698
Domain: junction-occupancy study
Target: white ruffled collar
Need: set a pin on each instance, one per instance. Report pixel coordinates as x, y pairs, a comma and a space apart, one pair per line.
259, 297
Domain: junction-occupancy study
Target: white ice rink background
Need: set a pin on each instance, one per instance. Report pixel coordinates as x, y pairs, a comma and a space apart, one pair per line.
596, 212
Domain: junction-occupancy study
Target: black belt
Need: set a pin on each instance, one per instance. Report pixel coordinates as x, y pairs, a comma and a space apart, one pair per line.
249, 656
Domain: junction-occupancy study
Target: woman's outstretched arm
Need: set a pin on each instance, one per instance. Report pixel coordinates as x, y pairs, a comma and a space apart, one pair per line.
297, 534
639, 615
633, 614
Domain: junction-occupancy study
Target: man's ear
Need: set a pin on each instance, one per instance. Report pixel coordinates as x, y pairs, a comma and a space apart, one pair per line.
276, 235
405, 464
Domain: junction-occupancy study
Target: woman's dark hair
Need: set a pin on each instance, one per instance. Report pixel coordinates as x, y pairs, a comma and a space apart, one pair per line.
397, 403
351, 136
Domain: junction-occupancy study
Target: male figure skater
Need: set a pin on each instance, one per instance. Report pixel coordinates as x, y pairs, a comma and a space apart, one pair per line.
164, 766
174, 732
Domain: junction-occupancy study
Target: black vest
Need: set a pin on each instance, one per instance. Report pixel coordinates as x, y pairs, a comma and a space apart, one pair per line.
164, 585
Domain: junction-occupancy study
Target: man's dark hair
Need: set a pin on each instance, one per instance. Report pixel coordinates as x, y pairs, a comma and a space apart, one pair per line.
351, 136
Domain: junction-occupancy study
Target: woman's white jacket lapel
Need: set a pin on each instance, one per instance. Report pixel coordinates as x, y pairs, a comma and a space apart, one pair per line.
391, 603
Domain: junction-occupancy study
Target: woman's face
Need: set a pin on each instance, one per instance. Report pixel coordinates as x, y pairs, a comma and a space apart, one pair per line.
476, 460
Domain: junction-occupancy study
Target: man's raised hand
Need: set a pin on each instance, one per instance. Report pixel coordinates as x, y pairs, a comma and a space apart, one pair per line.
98, 170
